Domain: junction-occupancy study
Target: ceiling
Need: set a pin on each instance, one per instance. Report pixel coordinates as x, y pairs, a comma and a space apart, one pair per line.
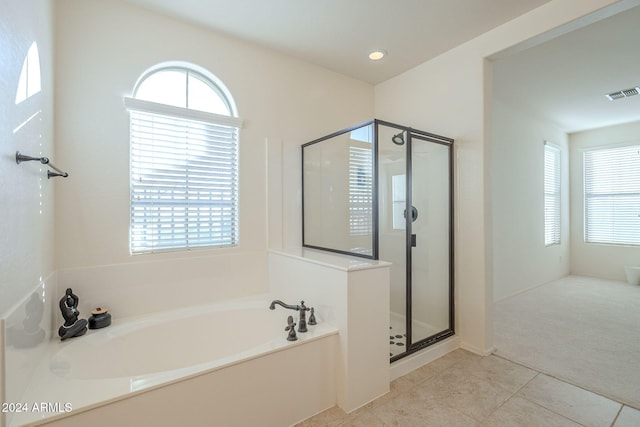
339, 34
562, 80
565, 79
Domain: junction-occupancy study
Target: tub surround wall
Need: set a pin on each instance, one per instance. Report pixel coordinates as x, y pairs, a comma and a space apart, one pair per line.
249, 364
27, 331
350, 369
133, 289
257, 395
353, 294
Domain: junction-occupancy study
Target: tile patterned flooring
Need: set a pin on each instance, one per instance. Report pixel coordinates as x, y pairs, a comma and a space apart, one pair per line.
463, 389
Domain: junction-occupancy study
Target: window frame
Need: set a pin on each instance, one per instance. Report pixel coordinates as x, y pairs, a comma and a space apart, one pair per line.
593, 234
187, 126
552, 192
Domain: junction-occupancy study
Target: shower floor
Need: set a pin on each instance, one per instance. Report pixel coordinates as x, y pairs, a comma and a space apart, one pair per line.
398, 333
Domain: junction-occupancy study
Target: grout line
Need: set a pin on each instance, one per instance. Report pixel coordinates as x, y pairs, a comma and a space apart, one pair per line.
528, 382
517, 362
553, 411
538, 373
617, 416
551, 375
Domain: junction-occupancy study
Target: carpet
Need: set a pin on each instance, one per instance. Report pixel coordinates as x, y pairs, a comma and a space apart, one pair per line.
582, 330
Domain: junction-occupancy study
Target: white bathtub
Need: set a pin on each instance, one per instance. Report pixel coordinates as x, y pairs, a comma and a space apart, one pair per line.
236, 351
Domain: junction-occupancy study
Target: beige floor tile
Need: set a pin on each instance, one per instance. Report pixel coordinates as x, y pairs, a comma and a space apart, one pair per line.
452, 358
365, 419
462, 389
332, 417
401, 385
628, 417
572, 402
413, 410
421, 374
504, 373
397, 387
520, 412
473, 396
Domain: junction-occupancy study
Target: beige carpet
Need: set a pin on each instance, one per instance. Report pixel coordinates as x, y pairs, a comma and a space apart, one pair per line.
582, 330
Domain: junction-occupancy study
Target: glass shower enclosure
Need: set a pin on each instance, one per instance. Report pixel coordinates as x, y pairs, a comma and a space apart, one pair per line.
385, 191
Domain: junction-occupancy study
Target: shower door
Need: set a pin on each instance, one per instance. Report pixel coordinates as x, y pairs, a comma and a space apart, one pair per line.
415, 234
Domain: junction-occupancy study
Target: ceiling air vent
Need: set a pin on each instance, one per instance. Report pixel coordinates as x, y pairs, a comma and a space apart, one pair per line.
623, 93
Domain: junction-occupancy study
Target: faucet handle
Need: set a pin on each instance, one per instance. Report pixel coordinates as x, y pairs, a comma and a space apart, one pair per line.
312, 317
291, 327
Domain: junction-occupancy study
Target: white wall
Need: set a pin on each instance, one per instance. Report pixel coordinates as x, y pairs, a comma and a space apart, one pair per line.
27, 270
520, 259
102, 49
596, 260
26, 196
449, 95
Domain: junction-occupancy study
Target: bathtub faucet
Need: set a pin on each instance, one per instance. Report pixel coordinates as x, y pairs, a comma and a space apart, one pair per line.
302, 325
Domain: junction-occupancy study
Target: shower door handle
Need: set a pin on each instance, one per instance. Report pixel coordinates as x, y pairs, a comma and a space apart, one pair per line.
413, 240
414, 213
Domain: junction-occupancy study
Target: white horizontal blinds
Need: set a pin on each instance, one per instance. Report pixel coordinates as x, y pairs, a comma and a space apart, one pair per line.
399, 200
552, 218
360, 191
612, 195
184, 184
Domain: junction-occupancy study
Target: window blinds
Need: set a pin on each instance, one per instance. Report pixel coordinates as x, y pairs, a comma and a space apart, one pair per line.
612, 195
360, 191
184, 183
552, 217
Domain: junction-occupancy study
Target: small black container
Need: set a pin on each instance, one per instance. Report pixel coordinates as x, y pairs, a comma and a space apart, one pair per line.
100, 318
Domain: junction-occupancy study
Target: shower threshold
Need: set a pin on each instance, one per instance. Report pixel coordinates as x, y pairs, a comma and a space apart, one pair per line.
398, 333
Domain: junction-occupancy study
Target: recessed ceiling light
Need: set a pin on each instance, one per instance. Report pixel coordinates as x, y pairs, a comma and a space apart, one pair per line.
376, 55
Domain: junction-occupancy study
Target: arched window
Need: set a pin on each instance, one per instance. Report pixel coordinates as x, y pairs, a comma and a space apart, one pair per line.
184, 161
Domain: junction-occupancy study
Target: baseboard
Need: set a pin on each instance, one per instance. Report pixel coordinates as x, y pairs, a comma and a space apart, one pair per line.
478, 351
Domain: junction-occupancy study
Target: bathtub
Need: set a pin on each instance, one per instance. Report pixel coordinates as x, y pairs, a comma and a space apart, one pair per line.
223, 364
